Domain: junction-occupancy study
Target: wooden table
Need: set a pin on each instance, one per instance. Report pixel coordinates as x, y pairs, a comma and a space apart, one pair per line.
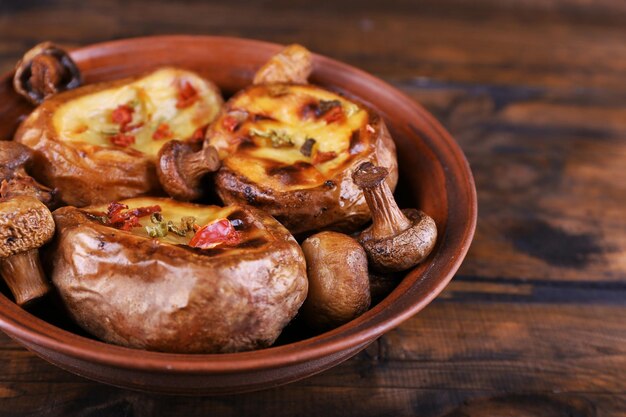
534, 324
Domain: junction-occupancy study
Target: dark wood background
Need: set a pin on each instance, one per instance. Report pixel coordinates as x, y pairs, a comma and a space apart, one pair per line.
534, 324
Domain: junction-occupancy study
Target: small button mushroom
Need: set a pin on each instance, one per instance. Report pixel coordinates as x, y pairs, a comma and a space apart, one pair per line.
291, 65
338, 282
25, 225
44, 71
397, 239
14, 180
180, 168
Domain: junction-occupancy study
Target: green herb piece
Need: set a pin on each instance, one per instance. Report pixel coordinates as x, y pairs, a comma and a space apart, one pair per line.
187, 223
278, 138
158, 230
175, 229
161, 227
109, 132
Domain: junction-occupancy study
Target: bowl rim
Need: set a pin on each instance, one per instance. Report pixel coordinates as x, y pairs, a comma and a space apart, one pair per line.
23, 326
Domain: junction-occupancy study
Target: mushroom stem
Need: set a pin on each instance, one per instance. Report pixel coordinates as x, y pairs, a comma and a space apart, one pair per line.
397, 239
25, 225
180, 169
193, 166
24, 275
387, 218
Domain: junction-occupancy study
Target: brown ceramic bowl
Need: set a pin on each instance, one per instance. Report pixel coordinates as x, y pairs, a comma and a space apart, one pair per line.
434, 176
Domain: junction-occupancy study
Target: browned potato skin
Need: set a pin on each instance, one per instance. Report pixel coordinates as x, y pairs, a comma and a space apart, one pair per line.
84, 176
337, 204
137, 292
339, 286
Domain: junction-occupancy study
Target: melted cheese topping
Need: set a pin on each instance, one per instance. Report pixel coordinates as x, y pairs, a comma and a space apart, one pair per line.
153, 98
175, 211
275, 121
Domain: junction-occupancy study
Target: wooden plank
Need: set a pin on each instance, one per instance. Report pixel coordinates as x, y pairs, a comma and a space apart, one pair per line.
534, 93
73, 399
556, 43
549, 166
482, 346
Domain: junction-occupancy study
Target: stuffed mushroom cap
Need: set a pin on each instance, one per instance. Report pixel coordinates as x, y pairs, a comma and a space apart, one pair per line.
160, 293
290, 150
99, 143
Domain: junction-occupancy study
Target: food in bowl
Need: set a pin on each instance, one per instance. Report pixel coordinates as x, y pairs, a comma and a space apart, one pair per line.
172, 276
138, 274
98, 143
289, 148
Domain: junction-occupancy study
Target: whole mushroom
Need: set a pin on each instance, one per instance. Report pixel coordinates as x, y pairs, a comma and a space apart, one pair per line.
397, 239
180, 168
44, 71
14, 180
339, 287
291, 65
25, 225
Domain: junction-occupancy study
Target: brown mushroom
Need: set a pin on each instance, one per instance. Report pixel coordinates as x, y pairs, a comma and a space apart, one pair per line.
382, 284
14, 180
397, 239
25, 225
292, 65
180, 168
338, 282
44, 71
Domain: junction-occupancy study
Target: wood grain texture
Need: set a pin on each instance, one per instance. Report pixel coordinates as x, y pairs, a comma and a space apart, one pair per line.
521, 350
550, 170
535, 322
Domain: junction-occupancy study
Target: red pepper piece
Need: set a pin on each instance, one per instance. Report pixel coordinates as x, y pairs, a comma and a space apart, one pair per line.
120, 217
230, 123
122, 139
122, 115
218, 232
321, 157
162, 132
187, 94
115, 208
198, 135
334, 115
129, 128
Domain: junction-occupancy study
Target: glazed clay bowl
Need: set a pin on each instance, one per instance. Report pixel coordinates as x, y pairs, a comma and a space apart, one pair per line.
434, 176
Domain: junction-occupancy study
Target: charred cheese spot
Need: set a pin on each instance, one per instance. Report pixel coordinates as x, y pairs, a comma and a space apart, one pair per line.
251, 234
294, 174
152, 101
297, 136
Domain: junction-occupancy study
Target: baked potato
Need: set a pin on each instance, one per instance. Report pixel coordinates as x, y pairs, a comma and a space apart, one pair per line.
142, 274
290, 150
99, 143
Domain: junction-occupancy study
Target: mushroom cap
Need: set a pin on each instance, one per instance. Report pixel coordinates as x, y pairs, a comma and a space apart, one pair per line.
291, 65
58, 72
25, 224
405, 249
339, 287
13, 156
